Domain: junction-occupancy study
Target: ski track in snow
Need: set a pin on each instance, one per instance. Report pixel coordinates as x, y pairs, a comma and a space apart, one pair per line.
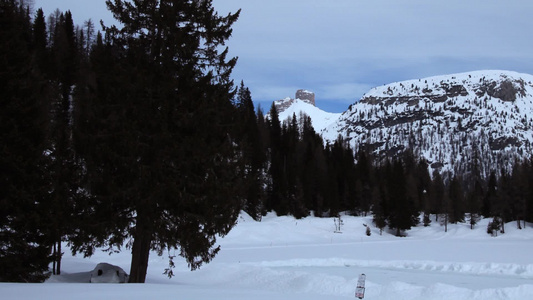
521, 271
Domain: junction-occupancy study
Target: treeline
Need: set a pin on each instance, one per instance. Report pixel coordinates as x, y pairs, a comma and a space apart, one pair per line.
137, 137
291, 171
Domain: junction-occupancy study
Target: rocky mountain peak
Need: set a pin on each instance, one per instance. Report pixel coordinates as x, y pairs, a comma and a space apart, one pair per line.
302, 95
306, 96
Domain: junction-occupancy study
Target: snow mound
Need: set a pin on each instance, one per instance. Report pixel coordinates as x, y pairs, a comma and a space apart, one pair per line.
108, 273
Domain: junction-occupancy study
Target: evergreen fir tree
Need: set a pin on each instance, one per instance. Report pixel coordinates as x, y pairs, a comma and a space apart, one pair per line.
441, 200
474, 202
65, 169
490, 199
456, 197
313, 169
502, 206
528, 165
24, 242
379, 207
252, 150
518, 193
425, 191
400, 212
88, 29
40, 41
364, 174
278, 180
156, 131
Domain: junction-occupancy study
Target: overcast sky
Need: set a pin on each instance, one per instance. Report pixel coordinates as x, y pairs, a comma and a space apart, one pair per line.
339, 49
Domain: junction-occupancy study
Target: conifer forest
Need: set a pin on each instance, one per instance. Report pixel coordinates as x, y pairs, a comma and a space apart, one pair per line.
138, 138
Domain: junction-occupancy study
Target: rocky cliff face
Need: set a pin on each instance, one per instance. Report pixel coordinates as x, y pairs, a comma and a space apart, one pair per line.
302, 95
306, 96
482, 119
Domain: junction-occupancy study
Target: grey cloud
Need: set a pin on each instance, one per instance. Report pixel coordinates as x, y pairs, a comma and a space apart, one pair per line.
338, 48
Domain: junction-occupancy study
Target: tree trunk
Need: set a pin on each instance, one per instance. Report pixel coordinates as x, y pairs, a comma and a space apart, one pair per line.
59, 256
140, 252
54, 255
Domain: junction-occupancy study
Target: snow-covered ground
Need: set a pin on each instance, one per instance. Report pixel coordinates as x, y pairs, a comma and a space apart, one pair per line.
284, 258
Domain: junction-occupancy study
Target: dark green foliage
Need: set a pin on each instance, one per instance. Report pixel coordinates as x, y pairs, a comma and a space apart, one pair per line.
490, 198
65, 61
24, 248
473, 203
379, 206
305, 176
518, 191
494, 226
313, 169
502, 206
253, 159
65, 170
277, 186
440, 200
457, 201
400, 207
40, 41
426, 220
364, 183
155, 127
528, 167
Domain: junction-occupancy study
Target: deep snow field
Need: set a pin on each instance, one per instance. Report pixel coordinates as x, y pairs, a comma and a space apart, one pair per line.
285, 258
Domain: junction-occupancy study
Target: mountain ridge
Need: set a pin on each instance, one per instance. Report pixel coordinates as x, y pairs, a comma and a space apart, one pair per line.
454, 121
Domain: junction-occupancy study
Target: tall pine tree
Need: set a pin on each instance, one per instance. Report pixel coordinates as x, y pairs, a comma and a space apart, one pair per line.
252, 150
24, 247
156, 136
65, 169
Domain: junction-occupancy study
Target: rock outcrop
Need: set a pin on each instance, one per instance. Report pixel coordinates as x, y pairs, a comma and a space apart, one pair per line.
306, 96
303, 95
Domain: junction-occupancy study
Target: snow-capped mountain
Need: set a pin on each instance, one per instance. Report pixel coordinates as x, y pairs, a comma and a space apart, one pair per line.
482, 118
305, 102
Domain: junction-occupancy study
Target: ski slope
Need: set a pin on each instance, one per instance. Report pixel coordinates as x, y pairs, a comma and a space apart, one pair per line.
285, 258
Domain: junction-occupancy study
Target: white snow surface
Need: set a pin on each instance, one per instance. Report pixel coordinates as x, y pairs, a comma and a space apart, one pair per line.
285, 258
320, 119
469, 79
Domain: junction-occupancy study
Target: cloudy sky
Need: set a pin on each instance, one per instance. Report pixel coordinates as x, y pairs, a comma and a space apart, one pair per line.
339, 49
